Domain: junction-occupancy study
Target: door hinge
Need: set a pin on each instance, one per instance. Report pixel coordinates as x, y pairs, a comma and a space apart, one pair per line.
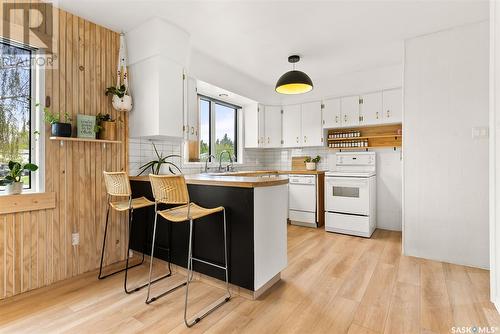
321, 139
282, 111
282, 141
360, 101
183, 76
322, 106
323, 122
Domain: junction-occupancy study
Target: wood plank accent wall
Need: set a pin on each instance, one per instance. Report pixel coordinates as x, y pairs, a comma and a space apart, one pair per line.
35, 247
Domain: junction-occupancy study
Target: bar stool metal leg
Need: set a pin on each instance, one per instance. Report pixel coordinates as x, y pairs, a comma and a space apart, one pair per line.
190, 273
131, 215
152, 299
101, 276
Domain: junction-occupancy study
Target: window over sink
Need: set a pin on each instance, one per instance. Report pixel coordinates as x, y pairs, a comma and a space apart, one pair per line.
218, 129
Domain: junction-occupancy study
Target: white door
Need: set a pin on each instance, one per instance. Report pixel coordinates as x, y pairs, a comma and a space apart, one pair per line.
350, 111
331, 114
347, 195
370, 109
393, 105
312, 130
292, 136
272, 125
261, 119
192, 109
251, 125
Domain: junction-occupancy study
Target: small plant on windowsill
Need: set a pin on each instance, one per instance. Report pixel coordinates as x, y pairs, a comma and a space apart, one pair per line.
13, 180
311, 163
155, 165
58, 128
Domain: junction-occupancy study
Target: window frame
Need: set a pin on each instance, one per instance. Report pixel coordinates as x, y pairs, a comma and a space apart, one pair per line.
36, 125
212, 114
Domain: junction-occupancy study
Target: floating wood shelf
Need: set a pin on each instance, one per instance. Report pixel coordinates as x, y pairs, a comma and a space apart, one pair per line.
377, 136
366, 137
62, 139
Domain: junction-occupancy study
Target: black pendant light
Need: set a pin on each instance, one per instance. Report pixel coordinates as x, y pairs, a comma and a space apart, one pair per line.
294, 82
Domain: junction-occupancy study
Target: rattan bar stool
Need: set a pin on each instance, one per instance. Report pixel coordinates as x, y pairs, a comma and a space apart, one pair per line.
118, 185
172, 189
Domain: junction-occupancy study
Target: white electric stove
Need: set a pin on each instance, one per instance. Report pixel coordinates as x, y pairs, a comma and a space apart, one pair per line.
350, 194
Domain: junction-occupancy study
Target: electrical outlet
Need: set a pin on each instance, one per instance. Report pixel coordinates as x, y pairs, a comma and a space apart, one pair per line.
75, 239
130, 253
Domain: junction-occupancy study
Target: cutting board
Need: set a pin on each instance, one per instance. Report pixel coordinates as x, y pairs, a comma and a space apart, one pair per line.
298, 163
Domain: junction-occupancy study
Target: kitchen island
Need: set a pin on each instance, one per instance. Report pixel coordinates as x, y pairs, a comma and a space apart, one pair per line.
256, 213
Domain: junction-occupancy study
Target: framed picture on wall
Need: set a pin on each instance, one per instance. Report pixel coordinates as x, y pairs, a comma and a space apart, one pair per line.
85, 126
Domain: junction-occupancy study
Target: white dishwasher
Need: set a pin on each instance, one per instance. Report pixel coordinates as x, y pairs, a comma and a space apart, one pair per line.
302, 200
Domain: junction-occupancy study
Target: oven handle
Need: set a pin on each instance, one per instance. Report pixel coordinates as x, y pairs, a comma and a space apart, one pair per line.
336, 183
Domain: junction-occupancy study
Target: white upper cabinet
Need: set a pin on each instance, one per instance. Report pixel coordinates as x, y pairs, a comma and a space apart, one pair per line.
262, 125
272, 126
392, 105
370, 112
251, 125
158, 91
350, 111
158, 86
312, 130
191, 107
331, 113
292, 129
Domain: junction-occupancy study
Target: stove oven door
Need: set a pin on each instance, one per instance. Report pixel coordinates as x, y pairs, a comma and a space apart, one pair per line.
347, 195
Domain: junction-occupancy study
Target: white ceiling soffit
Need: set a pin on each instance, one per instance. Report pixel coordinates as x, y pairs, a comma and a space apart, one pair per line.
256, 37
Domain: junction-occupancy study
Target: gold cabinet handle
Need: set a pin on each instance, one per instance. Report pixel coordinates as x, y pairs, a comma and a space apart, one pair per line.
336, 119
297, 140
268, 140
376, 114
345, 118
388, 115
192, 130
305, 139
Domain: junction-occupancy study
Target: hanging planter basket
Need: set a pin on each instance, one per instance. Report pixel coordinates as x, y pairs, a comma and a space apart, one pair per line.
123, 103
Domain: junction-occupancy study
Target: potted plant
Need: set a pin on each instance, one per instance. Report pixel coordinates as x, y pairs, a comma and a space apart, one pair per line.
311, 163
12, 181
58, 128
121, 100
155, 165
105, 127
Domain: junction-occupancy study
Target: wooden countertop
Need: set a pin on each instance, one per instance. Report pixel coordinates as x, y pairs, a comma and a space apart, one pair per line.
240, 181
278, 172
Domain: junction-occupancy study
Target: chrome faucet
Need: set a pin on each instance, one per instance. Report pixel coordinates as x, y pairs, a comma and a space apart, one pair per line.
206, 162
220, 160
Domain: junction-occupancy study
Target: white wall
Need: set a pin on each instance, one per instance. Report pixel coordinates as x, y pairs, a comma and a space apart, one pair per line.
445, 203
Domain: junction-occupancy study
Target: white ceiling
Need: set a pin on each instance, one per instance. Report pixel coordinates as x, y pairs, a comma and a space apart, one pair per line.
255, 37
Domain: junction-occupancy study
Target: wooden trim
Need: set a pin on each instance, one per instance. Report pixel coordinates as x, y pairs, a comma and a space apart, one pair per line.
89, 140
27, 202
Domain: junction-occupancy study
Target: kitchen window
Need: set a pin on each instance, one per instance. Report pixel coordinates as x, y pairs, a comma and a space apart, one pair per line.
218, 129
18, 124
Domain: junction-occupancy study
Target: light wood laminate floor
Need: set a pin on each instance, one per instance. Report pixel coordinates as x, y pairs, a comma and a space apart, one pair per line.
333, 284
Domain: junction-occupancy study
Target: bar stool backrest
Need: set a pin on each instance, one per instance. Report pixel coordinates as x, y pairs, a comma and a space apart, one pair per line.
117, 184
169, 189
